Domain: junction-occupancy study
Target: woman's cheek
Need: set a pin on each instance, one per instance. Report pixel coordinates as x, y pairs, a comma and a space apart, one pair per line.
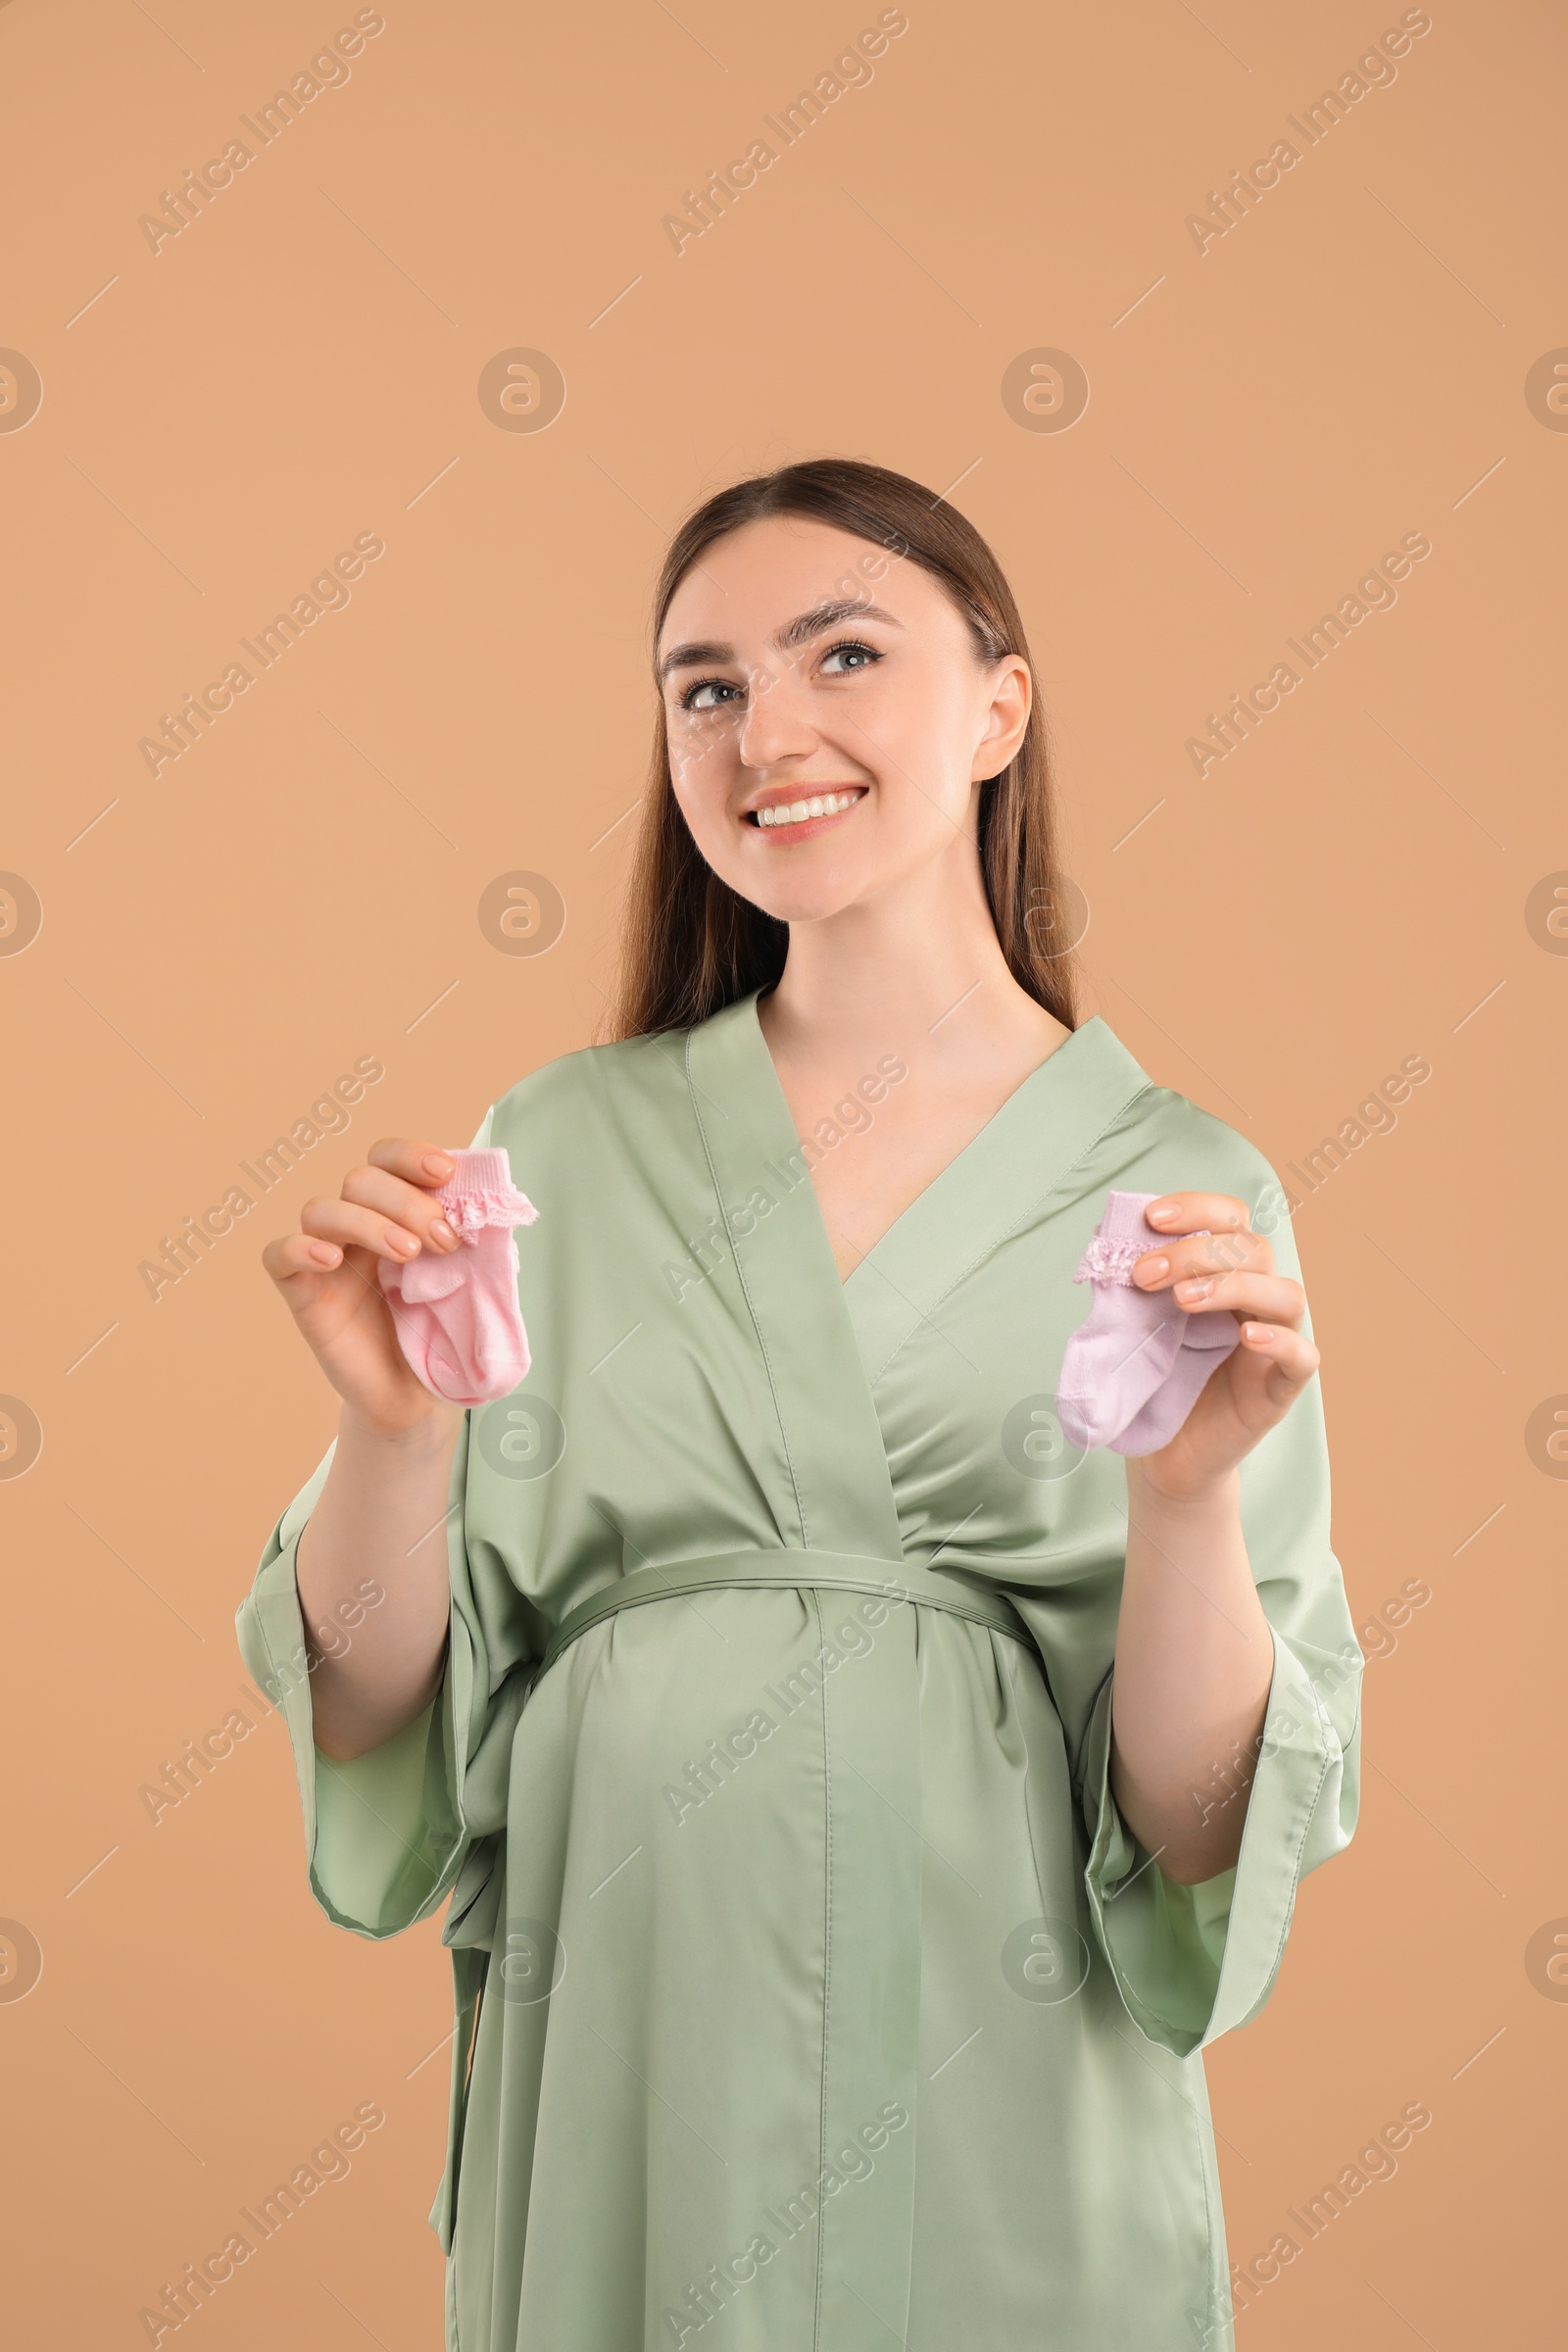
917, 740
702, 793
692, 767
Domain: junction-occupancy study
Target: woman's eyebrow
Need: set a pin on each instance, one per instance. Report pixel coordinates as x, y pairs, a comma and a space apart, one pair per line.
820, 617
695, 655
799, 631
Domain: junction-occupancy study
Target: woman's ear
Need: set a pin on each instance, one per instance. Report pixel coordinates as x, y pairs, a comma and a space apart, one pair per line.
1006, 718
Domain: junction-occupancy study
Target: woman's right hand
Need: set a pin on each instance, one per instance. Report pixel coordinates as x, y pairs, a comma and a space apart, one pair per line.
326, 1274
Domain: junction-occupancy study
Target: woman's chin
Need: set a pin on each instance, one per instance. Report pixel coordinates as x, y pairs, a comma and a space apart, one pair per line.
807, 898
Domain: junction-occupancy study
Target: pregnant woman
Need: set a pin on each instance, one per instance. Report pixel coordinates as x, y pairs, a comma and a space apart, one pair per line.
859, 1803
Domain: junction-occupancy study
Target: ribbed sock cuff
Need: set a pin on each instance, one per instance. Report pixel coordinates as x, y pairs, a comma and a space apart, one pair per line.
1124, 1220
479, 1172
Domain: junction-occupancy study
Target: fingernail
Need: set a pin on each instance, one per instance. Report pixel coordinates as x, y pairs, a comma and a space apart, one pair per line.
402, 1244
1193, 1288
442, 1232
1151, 1269
325, 1254
436, 1163
1162, 1212
1259, 1331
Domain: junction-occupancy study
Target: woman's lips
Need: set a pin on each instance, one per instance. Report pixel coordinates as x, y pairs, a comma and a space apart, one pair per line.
805, 813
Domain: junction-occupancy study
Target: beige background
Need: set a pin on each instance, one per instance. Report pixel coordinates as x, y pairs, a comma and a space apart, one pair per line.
301, 887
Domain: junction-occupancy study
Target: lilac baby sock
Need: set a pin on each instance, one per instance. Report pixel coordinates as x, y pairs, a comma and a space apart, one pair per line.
458, 1319
1132, 1370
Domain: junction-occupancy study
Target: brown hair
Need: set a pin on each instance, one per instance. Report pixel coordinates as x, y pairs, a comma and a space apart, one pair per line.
690, 945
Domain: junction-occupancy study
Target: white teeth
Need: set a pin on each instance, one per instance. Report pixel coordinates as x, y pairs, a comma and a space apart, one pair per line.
795, 812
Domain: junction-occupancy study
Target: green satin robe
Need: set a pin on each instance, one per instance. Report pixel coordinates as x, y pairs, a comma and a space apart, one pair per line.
813, 1994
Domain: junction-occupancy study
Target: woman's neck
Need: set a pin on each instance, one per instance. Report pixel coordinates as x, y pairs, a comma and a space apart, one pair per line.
919, 972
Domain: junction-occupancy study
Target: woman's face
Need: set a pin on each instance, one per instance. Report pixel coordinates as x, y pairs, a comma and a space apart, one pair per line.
829, 718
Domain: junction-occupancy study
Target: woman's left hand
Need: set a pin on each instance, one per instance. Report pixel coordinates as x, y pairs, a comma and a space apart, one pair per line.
1227, 1269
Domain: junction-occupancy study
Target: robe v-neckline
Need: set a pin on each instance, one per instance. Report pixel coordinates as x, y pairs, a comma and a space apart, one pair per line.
1011, 1141
975, 1144
825, 1339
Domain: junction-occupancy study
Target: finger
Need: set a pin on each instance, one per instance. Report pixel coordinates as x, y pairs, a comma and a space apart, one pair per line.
1185, 1212
353, 1226
412, 1158
300, 1254
415, 1210
1203, 1253
1292, 1360
1270, 1297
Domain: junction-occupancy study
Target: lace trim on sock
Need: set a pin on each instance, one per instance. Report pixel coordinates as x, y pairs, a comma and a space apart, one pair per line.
1114, 1261
469, 1214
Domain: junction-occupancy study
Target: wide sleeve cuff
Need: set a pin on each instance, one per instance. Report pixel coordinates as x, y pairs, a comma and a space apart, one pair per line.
1193, 1962
385, 1835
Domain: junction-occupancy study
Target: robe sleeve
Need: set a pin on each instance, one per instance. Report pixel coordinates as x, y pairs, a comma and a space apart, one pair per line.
387, 1834
1193, 1962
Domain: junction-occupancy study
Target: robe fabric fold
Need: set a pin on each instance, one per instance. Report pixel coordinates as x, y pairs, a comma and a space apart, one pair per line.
811, 1991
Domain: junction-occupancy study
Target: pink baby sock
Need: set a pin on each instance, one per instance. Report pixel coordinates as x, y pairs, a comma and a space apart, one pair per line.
1132, 1370
459, 1322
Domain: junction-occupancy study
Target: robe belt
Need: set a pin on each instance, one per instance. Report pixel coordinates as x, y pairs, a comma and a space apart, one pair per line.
893, 1581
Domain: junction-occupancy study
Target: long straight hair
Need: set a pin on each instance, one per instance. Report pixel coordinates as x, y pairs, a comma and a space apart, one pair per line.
690, 944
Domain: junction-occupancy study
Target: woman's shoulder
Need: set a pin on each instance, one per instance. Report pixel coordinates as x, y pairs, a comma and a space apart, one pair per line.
592, 1089
1212, 1142
1179, 1147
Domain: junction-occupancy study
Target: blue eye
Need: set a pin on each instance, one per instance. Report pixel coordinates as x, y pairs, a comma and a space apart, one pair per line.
865, 655
690, 699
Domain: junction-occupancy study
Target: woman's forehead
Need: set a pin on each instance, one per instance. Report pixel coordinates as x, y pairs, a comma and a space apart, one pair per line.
762, 581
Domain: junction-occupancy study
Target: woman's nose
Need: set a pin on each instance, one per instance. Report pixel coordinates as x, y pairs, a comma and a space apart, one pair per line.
776, 725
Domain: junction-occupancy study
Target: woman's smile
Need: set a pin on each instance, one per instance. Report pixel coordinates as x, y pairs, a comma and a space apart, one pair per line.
800, 812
